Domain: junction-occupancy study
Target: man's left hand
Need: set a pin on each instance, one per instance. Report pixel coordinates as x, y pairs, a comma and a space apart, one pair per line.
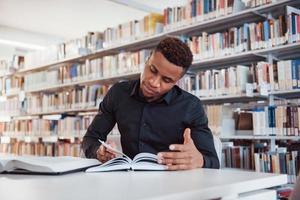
183, 156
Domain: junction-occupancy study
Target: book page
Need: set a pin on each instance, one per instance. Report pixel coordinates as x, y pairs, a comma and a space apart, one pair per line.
146, 161
4, 164
119, 163
145, 157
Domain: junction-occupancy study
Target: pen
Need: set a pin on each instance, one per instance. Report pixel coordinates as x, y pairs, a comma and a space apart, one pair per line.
111, 148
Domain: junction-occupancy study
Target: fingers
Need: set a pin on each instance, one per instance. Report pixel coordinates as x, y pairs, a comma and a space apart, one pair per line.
187, 136
113, 145
173, 155
174, 158
176, 161
179, 147
104, 155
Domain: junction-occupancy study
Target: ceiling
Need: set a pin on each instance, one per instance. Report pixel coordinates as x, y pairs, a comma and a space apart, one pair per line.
44, 22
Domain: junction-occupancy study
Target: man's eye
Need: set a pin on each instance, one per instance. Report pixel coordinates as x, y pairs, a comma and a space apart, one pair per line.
167, 80
152, 69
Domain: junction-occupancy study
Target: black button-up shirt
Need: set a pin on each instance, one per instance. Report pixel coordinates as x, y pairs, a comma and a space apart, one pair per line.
150, 126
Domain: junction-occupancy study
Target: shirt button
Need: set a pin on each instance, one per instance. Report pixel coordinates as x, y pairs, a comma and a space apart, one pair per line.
145, 124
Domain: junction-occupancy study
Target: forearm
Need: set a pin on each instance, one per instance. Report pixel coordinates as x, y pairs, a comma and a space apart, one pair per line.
99, 129
90, 146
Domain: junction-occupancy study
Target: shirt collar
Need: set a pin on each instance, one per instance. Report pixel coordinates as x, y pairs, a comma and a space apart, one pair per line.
135, 92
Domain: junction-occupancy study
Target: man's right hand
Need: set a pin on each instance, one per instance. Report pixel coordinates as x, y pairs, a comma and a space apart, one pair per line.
104, 154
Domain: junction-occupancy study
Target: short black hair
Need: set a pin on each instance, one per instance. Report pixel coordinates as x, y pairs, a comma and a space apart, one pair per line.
176, 52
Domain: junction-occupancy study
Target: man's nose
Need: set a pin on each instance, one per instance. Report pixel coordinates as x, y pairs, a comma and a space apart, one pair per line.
155, 82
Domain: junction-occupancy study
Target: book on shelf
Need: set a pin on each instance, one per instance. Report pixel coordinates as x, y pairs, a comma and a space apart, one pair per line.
136, 29
198, 10
41, 147
44, 165
72, 48
67, 126
263, 77
293, 24
246, 37
76, 98
105, 67
141, 162
280, 162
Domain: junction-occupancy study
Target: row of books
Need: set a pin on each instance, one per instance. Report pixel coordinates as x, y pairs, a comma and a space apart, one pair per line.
256, 3
262, 77
151, 24
127, 32
125, 62
81, 46
11, 85
7, 66
93, 41
62, 148
279, 120
215, 116
72, 48
250, 36
237, 156
10, 107
201, 10
62, 127
288, 73
276, 120
256, 156
196, 10
120, 64
227, 81
75, 98
4, 67
279, 163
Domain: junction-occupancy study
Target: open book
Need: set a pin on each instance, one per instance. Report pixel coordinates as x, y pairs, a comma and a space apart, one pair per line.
44, 165
142, 161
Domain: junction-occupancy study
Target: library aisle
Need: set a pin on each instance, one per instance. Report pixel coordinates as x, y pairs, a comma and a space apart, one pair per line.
59, 59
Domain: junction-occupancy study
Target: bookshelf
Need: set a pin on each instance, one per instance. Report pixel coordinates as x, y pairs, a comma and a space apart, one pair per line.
186, 29
151, 41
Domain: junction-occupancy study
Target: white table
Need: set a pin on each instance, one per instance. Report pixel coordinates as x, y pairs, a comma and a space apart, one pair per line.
192, 184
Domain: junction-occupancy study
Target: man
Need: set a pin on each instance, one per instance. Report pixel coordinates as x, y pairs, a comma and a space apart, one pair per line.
156, 116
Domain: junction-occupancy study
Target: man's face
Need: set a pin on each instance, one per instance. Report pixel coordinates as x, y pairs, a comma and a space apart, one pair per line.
159, 76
